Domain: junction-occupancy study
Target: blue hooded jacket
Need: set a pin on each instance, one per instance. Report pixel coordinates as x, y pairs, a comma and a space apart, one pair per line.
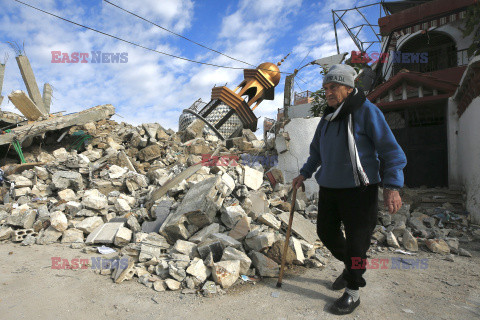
374, 139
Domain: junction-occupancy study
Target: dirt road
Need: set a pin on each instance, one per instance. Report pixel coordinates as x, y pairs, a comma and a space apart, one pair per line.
30, 289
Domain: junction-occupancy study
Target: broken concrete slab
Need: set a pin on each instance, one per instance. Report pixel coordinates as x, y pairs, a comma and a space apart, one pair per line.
55, 123
25, 105
301, 226
204, 233
231, 215
104, 233
94, 199
30, 82
67, 179
186, 248
48, 236
211, 246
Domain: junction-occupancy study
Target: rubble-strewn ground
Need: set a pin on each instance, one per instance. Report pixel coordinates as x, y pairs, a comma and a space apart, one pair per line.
184, 234
30, 289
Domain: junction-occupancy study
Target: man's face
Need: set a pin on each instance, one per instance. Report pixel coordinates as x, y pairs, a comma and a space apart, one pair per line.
335, 93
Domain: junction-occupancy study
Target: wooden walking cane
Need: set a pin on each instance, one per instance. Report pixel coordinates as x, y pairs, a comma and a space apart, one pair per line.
287, 239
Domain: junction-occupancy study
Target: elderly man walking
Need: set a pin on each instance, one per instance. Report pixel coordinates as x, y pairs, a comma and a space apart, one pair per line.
348, 142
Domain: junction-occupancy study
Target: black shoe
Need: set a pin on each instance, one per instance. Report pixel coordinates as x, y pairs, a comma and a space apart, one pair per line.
339, 283
344, 305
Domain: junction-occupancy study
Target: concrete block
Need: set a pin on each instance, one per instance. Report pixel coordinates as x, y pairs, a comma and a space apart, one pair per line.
90, 224
409, 241
198, 270
173, 284
301, 226
122, 205
204, 233
20, 235
241, 229
48, 236
226, 240
225, 273
265, 266
67, 179
105, 233
253, 178
213, 246
67, 195
257, 240
6, 233
122, 237
233, 254
72, 235
392, 240
186, 248
231, 215
94, 199
270, 220
59, 221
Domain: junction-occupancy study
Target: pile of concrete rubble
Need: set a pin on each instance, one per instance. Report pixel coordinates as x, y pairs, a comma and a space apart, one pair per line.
178, 219
430, 219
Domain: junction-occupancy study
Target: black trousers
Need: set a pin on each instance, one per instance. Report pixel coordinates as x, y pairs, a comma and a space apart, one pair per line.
357, 209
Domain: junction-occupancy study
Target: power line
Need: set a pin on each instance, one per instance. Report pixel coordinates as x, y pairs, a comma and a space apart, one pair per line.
179, 35
139, 45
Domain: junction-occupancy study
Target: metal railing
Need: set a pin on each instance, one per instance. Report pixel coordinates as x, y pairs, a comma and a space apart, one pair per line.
438, 59
302, 97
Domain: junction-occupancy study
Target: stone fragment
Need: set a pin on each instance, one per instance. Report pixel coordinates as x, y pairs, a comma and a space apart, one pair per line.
409, 241
265, 266
241, 229
253, 178
276, 253
226, 240
89, 224
73, 207
154, 246
67, 195
231, 253
67, 179
5, 233
256, 240
464, 253
177, 273
94, 199
225, 273
21, 181
301, 226
270, 220
198, 270
209, 289
28, 241
150, 153
23, 218
211, 246
186, 248
127, 273
122, 205
437, 246
204, 233
72, 235
231, 215
116, 172
48, 236
122, 237
392, 240
198, 207
159, 285
133, 224
297, 249
173, 284
41, 173
59, 221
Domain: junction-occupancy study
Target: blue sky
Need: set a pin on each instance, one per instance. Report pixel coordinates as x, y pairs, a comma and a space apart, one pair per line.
152, 87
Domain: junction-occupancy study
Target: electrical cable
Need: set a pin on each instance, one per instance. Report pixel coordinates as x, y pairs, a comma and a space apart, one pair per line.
138, 45
179, 35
